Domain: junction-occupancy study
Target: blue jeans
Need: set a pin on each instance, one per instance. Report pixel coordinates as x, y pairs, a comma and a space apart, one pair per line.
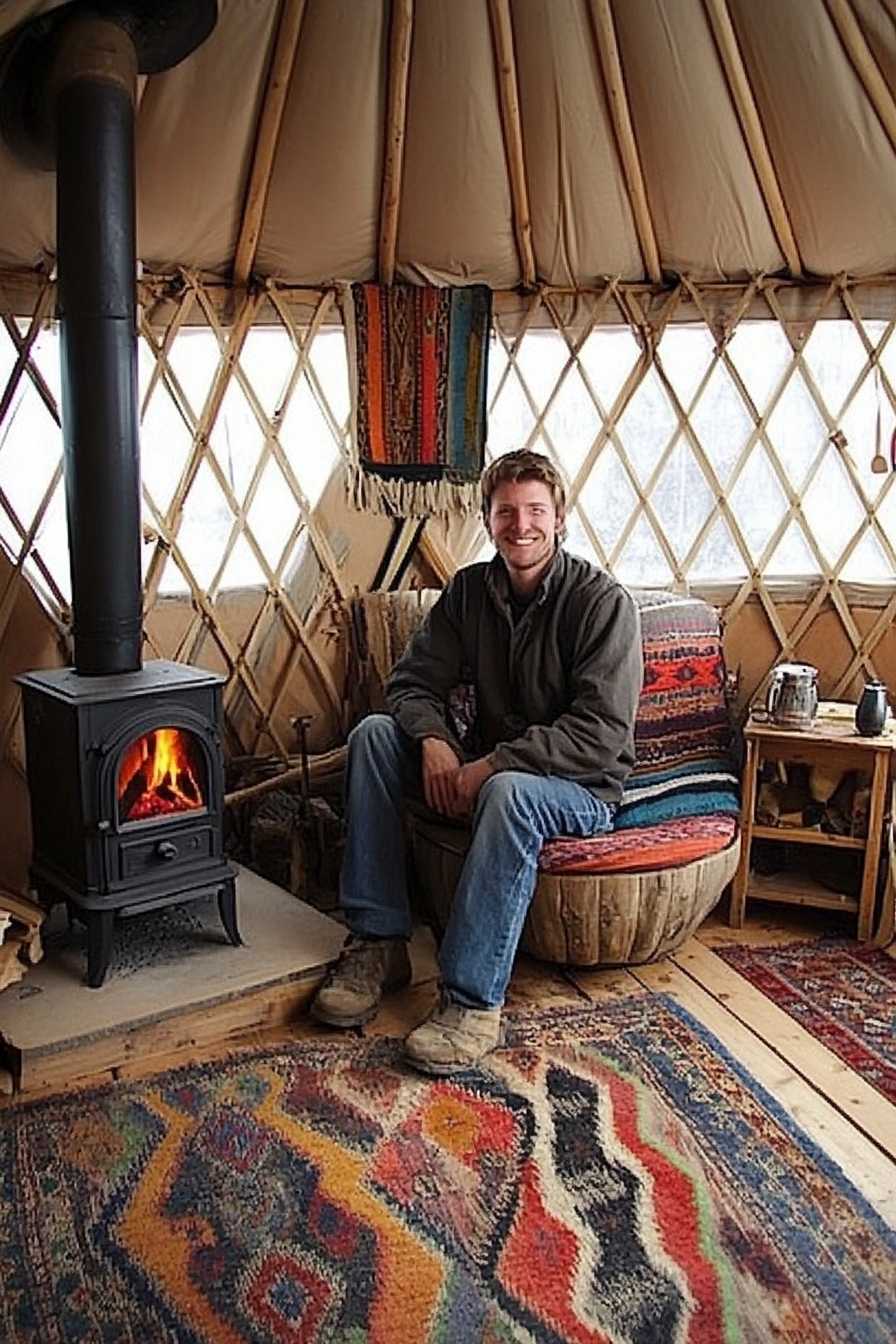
515, 814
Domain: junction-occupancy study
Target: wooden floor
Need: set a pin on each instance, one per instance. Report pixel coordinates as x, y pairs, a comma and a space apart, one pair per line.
845, 1116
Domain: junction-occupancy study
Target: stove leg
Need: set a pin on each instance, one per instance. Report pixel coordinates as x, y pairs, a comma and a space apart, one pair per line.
227, 909
100, 930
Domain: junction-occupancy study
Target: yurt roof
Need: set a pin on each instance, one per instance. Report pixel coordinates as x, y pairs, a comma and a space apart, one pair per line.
510, 142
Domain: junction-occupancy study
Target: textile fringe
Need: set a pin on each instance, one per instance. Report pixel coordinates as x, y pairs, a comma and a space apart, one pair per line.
410, 499
412, 489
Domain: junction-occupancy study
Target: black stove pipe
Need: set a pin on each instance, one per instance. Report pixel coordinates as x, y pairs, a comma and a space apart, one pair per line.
67, 101
94, 84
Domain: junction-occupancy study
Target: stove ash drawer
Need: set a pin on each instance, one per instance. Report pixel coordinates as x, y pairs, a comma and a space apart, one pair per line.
142, 858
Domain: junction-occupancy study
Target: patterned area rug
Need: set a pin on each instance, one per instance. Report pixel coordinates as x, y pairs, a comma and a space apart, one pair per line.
611, 1176
841, 991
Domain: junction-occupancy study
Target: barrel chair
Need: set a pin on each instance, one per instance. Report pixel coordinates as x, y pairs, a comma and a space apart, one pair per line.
635, 894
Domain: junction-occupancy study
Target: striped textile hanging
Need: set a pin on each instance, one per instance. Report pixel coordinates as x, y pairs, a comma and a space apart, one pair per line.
418, 357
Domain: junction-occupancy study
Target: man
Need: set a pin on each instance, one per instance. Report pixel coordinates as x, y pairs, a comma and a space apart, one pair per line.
552, 647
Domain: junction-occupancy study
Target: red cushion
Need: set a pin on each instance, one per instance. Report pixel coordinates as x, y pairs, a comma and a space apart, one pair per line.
668, 844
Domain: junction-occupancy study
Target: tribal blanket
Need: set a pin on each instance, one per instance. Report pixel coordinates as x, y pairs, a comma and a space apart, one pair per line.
684, 765
612, 1176
418, 357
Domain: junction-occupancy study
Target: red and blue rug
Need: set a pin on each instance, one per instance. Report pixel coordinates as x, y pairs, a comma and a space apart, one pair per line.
842, 992
612, 1175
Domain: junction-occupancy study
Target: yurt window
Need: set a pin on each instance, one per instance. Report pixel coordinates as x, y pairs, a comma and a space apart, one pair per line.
751, 439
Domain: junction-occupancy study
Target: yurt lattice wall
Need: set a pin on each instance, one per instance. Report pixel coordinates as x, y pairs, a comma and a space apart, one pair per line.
716, 439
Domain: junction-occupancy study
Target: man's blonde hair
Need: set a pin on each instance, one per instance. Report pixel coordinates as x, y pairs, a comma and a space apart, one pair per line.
523, 465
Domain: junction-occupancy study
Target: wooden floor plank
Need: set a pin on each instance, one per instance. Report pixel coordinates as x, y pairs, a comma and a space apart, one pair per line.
861, 1103
869, 1169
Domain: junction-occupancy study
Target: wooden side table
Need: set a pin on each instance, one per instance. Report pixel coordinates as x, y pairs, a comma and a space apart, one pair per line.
834, 744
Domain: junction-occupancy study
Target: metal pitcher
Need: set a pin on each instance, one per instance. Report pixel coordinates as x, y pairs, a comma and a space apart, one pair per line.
792, 697
872, 709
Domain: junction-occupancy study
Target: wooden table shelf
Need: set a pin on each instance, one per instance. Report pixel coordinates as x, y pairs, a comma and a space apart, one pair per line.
833, 743
807, 835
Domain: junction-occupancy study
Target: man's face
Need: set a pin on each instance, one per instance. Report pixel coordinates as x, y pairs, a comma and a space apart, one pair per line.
523, 524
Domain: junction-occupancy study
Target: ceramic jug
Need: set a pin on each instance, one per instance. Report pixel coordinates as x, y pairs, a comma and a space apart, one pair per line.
872, 709
792, 697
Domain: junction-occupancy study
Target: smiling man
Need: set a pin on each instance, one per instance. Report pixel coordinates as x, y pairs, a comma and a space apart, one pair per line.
551, 646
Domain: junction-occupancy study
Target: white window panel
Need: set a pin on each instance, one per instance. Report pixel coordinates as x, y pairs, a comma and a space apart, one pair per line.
646, 426
718, 558
793, 558
836, 358
267, 359
761, 355
237, 441
722, 423
204, 532
608, 357
681, 500
241, 569
758, 502
608, 499
573, 422
166, 444
831, 508
272, 515
686, 354
642, 562
796, 431
306, 437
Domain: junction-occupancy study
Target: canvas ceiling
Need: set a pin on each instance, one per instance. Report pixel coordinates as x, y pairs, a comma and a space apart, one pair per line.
512, 142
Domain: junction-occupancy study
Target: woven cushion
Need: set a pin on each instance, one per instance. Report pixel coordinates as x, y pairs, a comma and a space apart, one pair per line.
640, 848
683, 736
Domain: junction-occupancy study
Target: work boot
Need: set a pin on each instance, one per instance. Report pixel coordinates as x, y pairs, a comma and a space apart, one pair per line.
453, 1037
367, 969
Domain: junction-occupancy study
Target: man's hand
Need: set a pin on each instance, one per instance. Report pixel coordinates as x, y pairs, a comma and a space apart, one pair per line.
470, 779
441, 768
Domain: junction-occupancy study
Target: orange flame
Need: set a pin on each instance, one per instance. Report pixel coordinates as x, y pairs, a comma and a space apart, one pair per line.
157, 776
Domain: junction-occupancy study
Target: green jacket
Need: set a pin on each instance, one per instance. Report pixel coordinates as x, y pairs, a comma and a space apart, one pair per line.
556, 691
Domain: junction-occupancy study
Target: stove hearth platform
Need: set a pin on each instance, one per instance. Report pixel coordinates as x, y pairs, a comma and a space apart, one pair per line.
200, 995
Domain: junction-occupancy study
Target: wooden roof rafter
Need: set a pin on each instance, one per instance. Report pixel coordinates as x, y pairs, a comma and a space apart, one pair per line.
268, 134
862, 59
401, 30
512, 130
607, 47
741, 90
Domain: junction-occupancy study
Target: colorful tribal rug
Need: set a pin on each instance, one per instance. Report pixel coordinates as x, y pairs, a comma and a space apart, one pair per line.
841, 991
611, 1176
419, 357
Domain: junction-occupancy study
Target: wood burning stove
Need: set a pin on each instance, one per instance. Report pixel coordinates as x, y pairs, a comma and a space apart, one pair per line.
119, 827
126, 780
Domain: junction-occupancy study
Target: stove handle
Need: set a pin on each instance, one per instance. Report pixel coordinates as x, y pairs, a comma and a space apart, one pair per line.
167, 849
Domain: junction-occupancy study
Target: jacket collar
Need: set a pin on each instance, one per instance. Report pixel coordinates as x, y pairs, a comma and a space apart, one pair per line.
498, 579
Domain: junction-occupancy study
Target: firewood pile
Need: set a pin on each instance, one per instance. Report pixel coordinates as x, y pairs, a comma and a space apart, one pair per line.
20, 938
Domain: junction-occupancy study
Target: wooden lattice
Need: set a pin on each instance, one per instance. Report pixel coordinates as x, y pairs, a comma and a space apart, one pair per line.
277, 639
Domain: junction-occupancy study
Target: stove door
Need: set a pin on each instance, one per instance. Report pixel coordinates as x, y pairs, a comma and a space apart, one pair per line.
161, 787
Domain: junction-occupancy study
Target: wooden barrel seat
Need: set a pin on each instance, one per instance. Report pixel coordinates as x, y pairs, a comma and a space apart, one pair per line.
636, 894
616, 917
